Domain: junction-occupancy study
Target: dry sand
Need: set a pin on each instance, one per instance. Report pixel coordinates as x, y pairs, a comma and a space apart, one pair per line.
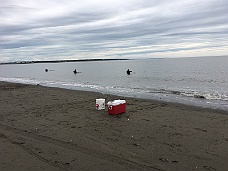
45, 128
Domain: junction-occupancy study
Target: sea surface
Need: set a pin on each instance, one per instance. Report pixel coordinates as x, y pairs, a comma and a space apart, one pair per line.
199, 81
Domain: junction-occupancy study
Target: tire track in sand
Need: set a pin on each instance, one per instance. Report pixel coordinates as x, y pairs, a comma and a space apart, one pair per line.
76, 147
20, 145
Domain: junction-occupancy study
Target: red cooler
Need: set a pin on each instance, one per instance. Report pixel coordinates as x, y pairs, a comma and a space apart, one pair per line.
116, 107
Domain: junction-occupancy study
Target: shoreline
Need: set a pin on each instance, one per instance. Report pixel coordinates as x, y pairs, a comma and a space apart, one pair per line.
59, 129
219, 110
179, 104
157, 101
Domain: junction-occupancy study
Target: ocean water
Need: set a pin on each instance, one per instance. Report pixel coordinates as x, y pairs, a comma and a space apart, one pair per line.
201, 81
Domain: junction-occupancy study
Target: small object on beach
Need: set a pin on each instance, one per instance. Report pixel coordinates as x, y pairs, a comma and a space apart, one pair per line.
128, 72
128, 119
164, 160
136, 144
46, 70
100, 104
175, 161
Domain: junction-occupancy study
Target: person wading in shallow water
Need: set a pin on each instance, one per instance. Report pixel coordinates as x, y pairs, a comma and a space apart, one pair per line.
128, 72
75, 71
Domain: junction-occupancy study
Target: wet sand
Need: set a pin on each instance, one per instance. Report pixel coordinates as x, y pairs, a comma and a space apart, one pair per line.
44, 128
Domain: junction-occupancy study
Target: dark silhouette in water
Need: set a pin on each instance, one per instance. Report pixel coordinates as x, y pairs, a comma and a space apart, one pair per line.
75, 71
46, 70
128, 72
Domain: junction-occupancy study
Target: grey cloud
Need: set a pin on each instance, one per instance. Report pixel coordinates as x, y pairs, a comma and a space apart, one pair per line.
149, 23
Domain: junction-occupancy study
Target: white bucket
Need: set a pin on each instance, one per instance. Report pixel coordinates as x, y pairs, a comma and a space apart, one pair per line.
100, 104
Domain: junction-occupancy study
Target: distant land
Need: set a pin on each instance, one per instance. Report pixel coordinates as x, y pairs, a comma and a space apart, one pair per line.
84, 60
58, 61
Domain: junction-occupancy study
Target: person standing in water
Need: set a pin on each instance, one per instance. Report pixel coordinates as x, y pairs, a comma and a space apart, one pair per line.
128, 72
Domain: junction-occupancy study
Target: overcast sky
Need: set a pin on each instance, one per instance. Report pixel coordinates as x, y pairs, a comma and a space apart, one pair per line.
76, 29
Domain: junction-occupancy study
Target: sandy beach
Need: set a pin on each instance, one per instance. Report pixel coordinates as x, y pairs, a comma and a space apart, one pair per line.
43, 128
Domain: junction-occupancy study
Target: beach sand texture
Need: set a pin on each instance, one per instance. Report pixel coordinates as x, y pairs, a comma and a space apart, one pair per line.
43, 128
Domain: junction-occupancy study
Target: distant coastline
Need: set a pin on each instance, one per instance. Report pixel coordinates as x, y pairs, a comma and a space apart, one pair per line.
85, 60
58, 61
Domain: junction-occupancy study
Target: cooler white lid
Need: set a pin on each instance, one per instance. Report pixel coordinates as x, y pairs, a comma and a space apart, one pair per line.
116, 102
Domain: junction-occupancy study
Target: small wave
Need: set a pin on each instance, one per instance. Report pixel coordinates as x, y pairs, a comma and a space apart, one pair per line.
208, 96
192, 93
199, 96
119, 89
20, 80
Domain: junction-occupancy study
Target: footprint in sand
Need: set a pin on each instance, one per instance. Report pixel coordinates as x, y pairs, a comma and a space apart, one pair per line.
209, 168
